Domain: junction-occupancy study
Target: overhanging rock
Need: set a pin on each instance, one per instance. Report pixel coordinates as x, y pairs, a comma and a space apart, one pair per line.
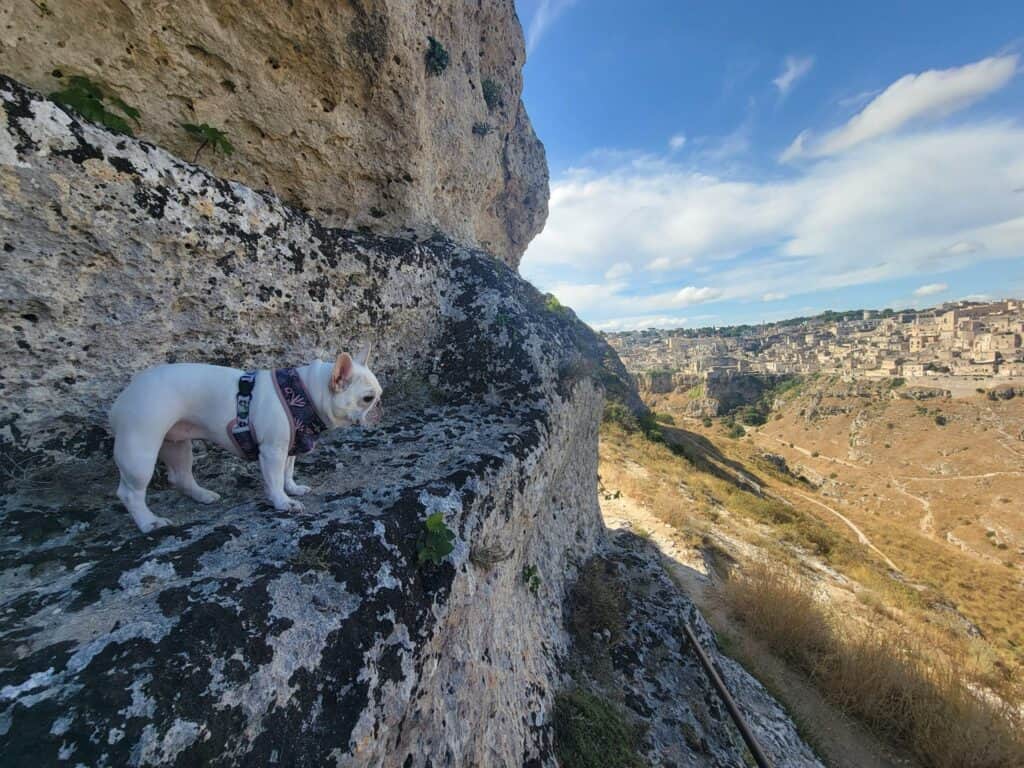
244, 636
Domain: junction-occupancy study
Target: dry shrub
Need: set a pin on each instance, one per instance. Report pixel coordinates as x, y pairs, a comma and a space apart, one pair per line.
777, 603
900, 690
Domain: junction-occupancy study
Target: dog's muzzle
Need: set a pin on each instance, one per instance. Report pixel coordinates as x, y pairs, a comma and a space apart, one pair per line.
372, 417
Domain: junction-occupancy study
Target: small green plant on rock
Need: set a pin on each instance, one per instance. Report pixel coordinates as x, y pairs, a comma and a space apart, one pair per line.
492, 93
87, 99
437, 57
552, 304
482, 129
531, 578
435, 542
208, 136
591, 732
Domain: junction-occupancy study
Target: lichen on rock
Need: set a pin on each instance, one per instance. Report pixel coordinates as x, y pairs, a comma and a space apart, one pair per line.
246, 636
328, 104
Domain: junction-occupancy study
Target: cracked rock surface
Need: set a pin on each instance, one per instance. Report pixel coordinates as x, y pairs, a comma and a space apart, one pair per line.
243, 636
650, 668
246, 637
327, 102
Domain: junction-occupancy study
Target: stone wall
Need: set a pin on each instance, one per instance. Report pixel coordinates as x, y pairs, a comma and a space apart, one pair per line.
328, 104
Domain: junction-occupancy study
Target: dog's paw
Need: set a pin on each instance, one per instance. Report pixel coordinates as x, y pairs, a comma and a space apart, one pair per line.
204, 496
298, 490
289, 505
154, 524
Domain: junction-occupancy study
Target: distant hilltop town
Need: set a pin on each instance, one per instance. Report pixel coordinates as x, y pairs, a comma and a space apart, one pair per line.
966, 339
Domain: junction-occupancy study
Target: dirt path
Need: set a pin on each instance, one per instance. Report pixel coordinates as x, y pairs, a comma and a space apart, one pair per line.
839, 742
1009, 442
927, 523
941, 478
820, 456
861, 536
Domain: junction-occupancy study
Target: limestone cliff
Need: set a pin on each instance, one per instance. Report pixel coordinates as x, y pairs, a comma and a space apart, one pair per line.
243, 636
330, 104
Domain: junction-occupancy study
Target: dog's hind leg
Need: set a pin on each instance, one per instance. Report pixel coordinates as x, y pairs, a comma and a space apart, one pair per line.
177, 455
135, 455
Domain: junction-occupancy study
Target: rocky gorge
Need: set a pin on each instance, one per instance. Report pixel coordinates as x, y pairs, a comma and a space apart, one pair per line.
245, 636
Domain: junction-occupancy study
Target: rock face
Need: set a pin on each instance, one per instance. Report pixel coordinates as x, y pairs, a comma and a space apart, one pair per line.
920, 393
656, 382
244, 636
652, 662
329, 104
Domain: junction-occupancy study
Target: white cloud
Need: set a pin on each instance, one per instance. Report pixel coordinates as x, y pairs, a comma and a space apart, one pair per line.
963, 247
547, 13
929, 95
774, 296
901, 205
931, 289
618, 270
677, 142
641, 322
793, 69
692, 295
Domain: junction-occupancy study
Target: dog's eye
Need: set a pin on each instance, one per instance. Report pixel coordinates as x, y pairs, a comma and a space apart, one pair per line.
368, 399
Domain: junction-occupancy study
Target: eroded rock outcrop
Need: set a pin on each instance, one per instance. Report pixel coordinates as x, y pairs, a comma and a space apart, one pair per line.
329, 104
648, 661
244, 636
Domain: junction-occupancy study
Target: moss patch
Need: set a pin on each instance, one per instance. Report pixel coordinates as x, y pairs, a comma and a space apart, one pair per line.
591, 732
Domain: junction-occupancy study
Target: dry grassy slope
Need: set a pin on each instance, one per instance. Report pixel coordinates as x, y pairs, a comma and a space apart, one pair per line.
694, 508
959, 583
943, 501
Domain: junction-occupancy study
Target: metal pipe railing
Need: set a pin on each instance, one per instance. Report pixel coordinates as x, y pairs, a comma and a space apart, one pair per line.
726, 697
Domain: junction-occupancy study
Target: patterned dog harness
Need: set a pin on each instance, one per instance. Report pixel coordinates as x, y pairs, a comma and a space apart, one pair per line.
303, 420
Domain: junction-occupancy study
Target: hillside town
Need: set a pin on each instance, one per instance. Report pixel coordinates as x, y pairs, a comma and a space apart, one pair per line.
963, 339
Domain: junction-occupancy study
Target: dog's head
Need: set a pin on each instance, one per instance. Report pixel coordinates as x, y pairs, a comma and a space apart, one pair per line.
354, 390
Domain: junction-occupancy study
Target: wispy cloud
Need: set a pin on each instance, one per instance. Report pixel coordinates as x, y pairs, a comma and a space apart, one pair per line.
794, 68
691, 295
634, 239
547, 13
929, 95
931, 289
677, 142
642, 322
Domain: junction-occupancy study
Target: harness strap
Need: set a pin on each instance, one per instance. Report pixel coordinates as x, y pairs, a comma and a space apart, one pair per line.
240, 429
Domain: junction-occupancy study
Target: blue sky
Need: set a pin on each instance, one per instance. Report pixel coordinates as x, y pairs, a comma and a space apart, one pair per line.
728, 162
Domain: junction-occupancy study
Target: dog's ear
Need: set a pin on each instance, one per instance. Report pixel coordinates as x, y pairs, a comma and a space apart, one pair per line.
363, 355
342, 373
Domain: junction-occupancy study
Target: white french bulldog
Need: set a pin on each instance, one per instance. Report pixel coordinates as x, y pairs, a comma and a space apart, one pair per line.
165, 408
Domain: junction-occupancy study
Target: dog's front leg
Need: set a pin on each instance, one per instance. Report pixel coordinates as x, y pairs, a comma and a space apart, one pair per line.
273, 461
290, 486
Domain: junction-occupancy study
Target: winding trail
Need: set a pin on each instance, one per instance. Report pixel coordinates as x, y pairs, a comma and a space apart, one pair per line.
861, 536
1010, 472
927, 523
841, 741
821, 456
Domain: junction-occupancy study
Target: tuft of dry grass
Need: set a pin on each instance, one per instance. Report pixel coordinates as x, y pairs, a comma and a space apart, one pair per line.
892, 684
